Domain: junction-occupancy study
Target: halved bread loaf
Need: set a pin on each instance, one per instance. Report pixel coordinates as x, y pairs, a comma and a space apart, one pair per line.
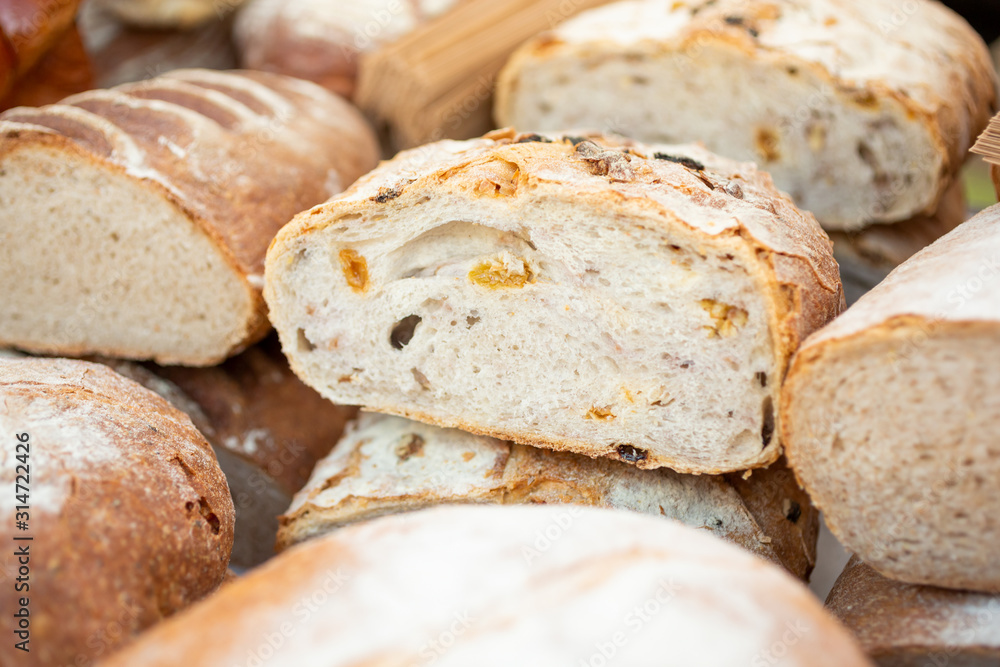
902, 625
136, 219
634, 302
861, 111
890, 415
454, 586
385, 465
127, 511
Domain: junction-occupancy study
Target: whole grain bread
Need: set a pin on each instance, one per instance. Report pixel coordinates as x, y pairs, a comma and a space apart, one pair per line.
137, 218
902, 625
128, 512
862, 111
890, 414
385, 465
490, 586
637, 302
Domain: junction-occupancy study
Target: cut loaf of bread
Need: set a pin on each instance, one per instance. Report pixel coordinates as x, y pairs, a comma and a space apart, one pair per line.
386, 464
488, 586
128, 513
861, 111
902, 625
890, 415
635, 302
136, 218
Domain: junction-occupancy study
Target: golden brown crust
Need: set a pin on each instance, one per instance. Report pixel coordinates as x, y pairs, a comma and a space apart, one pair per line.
905, 625
238, 153
789, 253
63, 70
131, 516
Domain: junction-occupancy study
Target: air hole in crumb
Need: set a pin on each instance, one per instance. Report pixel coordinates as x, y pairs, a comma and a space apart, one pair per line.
631, 454
412, 445
761, 378
472, 320
767, 430
402, 333
792, 510
209, 516
304, 344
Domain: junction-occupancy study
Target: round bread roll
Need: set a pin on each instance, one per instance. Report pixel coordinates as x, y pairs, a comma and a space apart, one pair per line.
890, 415
128, 514
902, 625
523, 585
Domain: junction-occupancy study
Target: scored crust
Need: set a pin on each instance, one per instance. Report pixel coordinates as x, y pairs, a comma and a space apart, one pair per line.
706, 201
231, 156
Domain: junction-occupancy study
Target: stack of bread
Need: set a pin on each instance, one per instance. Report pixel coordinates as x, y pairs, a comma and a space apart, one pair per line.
600, 334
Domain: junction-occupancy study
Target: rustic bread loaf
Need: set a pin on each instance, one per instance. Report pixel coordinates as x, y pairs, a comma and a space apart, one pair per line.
63, 70
322, 40
542, 585
890, 414
137, 218
28, 30
862, 112
902, 625
129, 514
385, 465
168, 13
639, 303
268, 431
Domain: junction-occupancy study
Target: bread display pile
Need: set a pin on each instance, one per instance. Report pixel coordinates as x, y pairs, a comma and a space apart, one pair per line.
504, 398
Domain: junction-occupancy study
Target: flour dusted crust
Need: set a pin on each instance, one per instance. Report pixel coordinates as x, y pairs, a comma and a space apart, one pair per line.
862, 111
903, 625
386, 465
890, 415
224, 158
130, 514
322, 40
388, 588
506, 195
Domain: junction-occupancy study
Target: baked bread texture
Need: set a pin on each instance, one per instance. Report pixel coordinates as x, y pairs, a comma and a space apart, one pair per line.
636, 302
533, 586
128, 512
268, 431
890, 414
902, 625
386, 464
323, 40
861, 111
137, 218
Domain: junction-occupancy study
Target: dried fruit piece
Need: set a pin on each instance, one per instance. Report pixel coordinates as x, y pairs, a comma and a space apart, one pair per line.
502, 271
355, 269
727, 319
600, 414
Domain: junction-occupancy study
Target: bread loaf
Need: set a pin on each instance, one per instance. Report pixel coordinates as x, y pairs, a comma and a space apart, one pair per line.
168, 13
385, 465
137, 218
901, 625
128, 513
890, 415
268, 431
28, 30
497, 586
63, 70
450, 286
322, 40
862, 112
